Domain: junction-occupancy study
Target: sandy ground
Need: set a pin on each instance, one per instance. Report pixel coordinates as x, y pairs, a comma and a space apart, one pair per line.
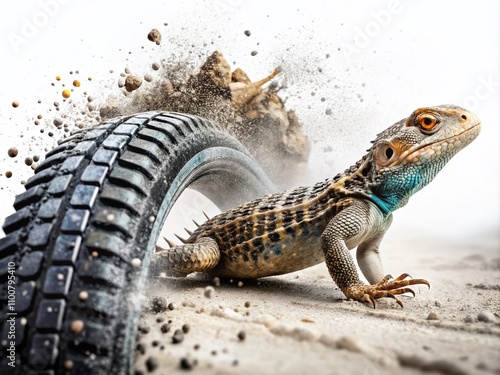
300, 323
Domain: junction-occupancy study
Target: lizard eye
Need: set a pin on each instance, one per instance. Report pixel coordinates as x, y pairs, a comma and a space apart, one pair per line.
427, 122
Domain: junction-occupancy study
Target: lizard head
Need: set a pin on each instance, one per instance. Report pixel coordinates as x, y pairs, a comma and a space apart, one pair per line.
409, 154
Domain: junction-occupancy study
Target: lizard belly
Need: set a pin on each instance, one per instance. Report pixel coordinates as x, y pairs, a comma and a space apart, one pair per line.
287, 255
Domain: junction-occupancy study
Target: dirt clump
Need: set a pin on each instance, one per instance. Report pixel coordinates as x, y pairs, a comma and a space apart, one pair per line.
250, 111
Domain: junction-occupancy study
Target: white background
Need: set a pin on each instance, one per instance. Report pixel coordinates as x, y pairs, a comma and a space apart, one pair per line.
386, 58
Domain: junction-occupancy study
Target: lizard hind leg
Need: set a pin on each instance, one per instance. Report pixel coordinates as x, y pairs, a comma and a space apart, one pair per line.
181, 260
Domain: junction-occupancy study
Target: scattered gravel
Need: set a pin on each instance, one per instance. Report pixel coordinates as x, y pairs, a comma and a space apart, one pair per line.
165, 328
178, 336
185, 328
433, 316
209, 291
187, 363
159, 304
12, 152
132, 83
242, 335
151, 364
486, 317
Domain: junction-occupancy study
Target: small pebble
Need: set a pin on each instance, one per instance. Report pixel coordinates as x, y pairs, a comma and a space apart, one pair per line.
155, 66
8, 174
437, 303
216, 281
159, 304
328, 112
470, 319
12, 152
155, 343
15, 104
253, 53
433, 316
209, 291
136, 263
154, 36
151, 364
148, 77
165, 328
76, 83
248, 33
178, 336
242, 335
77, 326
160, 319
144, 329
141, 348
132, 83
36, 158
240, 284
83, 295
486, 317
68, 364
247, 304
66, 94
186, 328
171, 306
187, 363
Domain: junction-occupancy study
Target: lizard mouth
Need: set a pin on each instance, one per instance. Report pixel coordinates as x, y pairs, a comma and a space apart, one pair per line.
450, 145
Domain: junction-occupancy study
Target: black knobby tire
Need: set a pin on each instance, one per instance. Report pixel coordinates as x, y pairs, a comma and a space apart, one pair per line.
84, 231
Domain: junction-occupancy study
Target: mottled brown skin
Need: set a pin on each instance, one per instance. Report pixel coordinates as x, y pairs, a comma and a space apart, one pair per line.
295, 229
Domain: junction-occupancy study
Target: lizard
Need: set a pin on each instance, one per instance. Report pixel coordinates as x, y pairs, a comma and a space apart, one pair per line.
289, 231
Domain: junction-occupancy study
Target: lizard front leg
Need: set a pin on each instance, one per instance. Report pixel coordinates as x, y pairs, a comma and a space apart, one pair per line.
361, 224
181, 260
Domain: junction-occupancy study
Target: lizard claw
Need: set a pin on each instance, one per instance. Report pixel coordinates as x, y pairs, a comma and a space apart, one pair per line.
385, 288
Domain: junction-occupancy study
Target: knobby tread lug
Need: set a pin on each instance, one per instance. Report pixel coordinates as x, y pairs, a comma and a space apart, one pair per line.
96, 302
66, 249
75, 221
116, 142
57, 281
50, 315
100, 272
127, 177
9, 244
94, 338
160, 138
121, 197
17, 220
50, 209
44, 350
180, 125
29, 196
31, 265
72, 164
107, 244
94, 174
105, 157
114, 218
166, 128
59, 185
25, 296
144, 147
126, 129
84, 196
51, 161
39, 234
40, 177
61, 148
85, 148
138, 162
